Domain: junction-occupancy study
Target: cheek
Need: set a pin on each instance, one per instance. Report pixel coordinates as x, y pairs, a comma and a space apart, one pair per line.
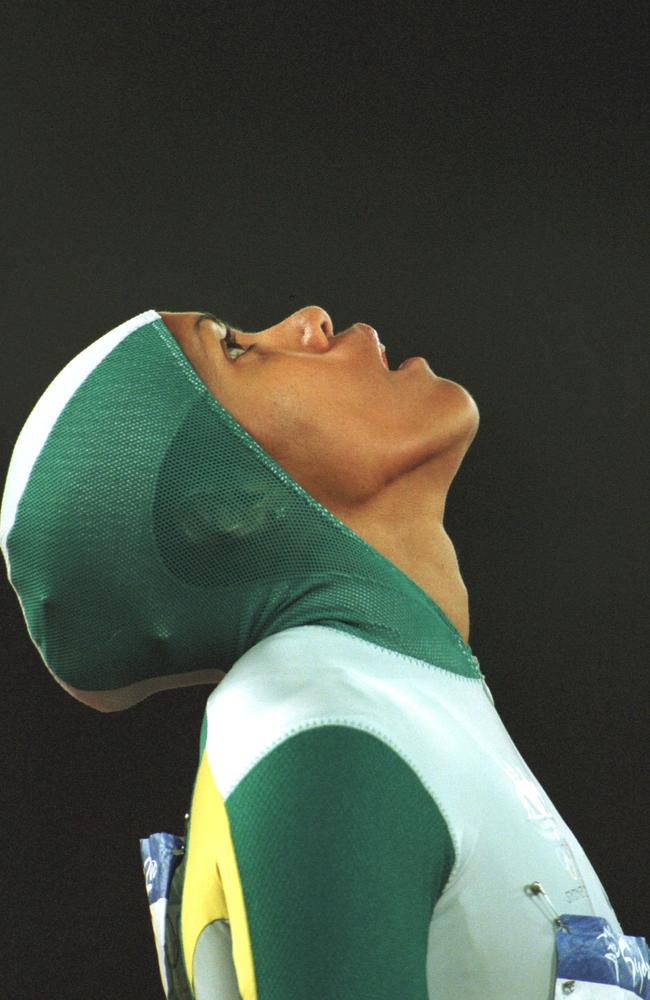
291, 405
302, 418
301, 425
277, 415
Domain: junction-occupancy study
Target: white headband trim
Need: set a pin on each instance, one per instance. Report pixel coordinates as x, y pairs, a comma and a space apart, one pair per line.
46, 412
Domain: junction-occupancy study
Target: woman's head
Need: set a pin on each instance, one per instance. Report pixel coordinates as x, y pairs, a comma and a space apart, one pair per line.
167, 507
328, 408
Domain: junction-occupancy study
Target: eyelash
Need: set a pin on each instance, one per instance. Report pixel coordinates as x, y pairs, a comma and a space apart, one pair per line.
231, 343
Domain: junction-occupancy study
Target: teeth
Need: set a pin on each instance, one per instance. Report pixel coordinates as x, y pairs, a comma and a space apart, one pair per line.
382, 346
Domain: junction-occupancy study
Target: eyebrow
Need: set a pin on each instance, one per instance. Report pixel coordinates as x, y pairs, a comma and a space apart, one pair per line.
215, 319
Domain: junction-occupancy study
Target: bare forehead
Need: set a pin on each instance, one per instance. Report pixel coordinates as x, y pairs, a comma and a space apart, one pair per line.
180, 324
186, 323
179, 317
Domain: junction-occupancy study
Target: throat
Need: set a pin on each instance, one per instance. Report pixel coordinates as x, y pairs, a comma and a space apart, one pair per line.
440, 578
454, 601
431, 563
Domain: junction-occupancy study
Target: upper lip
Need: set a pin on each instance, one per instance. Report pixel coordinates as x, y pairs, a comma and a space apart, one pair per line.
371, 334
380, 347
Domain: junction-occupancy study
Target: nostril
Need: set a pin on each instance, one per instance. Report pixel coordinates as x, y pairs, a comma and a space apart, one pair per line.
312, 320
325, 323
327, 328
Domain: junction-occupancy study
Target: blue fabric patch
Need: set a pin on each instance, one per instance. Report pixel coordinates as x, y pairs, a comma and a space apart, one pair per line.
161, 854
592, 952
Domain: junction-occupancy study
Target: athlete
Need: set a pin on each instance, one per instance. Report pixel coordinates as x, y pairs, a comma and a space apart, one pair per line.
191, 503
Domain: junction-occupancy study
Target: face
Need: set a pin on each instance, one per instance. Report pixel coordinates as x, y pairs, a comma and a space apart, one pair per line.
325, 406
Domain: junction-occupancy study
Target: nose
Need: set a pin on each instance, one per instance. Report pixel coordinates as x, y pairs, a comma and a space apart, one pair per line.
307, 329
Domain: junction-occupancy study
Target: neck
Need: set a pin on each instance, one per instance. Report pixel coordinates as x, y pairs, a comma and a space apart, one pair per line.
405, 524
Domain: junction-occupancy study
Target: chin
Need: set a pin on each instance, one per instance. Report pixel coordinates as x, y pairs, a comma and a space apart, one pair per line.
460, 406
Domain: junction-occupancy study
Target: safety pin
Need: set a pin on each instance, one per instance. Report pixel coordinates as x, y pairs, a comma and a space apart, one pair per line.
537, 889
181, 849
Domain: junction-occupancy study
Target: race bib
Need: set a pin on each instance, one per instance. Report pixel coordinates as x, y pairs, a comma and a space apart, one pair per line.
595, 963
162, 854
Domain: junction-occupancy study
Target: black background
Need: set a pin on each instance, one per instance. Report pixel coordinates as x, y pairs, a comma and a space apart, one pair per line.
470, 179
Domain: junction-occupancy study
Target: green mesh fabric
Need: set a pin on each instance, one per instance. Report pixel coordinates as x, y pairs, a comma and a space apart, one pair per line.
155, 536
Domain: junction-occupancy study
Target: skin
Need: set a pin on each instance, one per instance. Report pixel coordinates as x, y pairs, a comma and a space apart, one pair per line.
378, 448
